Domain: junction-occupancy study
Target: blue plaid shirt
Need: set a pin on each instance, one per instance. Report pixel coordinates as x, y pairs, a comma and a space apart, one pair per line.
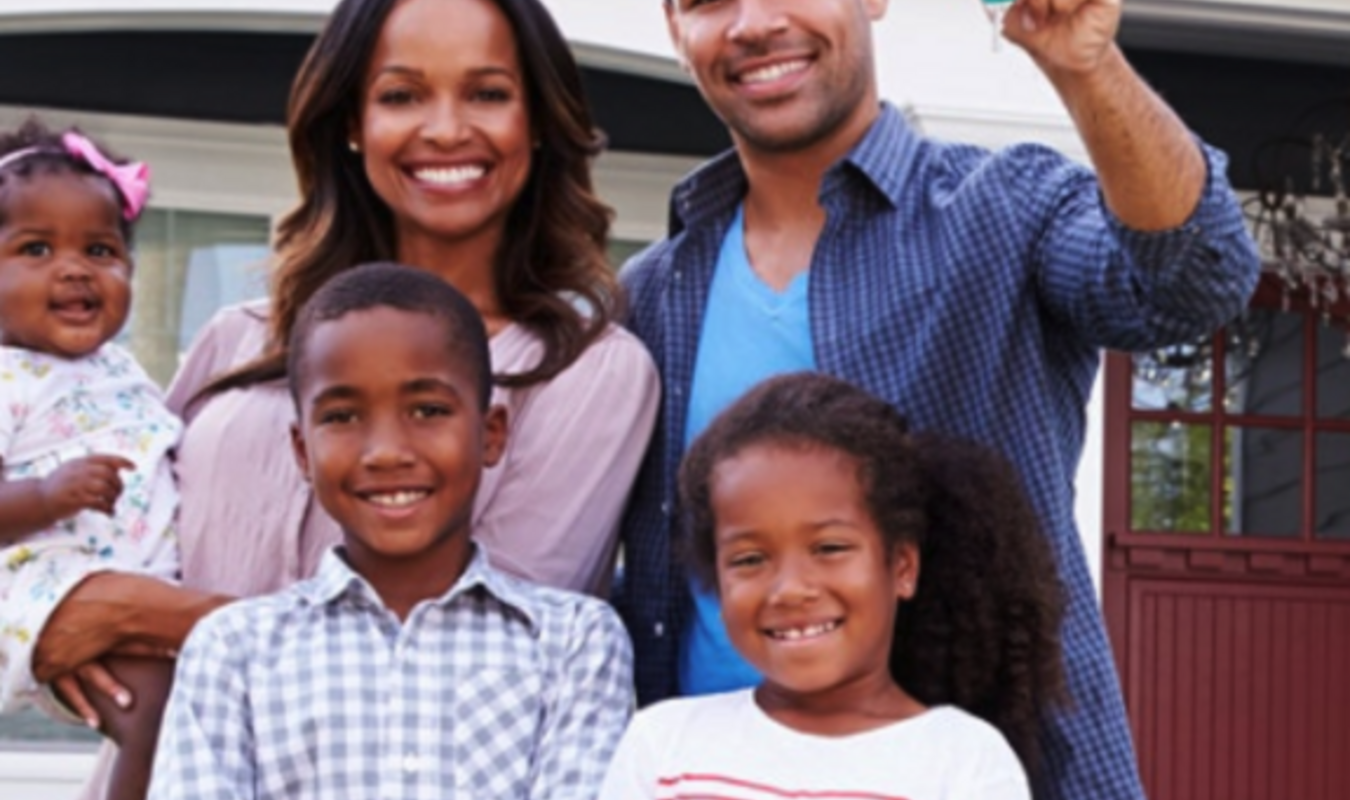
973, 290
498, 689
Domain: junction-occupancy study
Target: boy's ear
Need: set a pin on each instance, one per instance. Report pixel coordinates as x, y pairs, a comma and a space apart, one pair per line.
905, 570
495, 427
298, 448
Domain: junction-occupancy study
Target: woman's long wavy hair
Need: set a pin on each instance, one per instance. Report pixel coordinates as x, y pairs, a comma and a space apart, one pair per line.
551, 274
982, 630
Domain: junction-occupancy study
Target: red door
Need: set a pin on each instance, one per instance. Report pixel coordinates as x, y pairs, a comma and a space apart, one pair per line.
1227, 574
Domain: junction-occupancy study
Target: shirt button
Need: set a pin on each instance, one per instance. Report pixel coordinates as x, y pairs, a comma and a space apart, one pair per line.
659, 629
665, 509
411, 764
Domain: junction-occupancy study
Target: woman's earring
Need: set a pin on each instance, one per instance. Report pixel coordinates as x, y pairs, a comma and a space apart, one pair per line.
353, 146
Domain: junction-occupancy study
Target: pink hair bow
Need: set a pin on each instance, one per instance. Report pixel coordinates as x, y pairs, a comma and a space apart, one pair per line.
132, 180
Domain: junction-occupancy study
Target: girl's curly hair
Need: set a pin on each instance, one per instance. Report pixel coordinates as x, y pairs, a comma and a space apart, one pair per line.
982, 631
52, 159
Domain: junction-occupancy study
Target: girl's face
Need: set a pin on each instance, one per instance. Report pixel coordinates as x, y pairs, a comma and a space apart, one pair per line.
807, 586
64, 267
444, 128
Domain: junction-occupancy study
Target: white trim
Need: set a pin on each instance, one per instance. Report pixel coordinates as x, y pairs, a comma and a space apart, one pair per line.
176, 20
246, 169
34, 774
995, 129
629, 62
195, 166
637, 186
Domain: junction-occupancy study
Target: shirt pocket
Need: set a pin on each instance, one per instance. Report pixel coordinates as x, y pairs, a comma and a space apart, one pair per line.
498, 714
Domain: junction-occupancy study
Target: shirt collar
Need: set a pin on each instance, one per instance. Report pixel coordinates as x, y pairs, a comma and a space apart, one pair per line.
883, 157
335, 580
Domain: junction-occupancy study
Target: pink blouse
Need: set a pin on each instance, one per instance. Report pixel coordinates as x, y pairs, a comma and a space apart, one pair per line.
549, 511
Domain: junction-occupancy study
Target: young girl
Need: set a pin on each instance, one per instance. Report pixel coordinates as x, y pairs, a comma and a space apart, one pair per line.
85, 480
894, 591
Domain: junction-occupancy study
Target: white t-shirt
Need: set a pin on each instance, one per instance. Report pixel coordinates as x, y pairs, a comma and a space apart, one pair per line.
725, 746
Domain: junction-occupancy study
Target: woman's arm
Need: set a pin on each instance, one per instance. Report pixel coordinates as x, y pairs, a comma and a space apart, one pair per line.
116, 612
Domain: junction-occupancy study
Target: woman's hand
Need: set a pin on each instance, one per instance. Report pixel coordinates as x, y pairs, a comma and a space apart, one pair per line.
113, 613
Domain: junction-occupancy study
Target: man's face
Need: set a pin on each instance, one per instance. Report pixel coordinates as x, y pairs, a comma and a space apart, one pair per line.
784, 75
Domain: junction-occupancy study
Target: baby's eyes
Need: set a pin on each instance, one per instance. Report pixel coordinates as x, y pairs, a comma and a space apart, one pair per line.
35, 249
103, 251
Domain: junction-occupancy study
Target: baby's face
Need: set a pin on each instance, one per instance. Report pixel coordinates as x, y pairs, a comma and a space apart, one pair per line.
65, 271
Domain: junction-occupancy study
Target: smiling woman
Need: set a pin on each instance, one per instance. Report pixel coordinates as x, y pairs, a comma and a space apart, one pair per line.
462, 146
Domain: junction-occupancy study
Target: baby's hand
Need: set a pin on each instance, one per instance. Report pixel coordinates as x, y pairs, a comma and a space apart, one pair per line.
91, 483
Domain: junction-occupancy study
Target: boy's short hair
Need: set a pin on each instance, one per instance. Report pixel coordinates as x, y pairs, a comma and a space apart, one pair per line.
385, 284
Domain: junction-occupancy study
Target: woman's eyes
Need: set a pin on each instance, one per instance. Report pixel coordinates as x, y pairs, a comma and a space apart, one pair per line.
493, 94
395, 97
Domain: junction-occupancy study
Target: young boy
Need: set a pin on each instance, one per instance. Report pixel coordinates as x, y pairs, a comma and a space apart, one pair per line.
407, 667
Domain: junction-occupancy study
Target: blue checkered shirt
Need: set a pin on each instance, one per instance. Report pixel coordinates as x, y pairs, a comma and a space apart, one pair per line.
973, 290
498, 689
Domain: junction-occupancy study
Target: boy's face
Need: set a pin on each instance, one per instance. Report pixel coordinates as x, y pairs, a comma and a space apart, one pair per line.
391, 435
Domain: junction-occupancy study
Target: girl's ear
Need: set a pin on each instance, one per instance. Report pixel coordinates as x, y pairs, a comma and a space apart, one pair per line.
298, 448
905, 570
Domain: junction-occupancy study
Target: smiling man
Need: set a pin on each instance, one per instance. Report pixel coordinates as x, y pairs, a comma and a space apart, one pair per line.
974, 290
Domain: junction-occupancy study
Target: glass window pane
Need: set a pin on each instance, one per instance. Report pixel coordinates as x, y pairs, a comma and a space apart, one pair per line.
620, 250
1170, 477
188, 265
1333, 371
1176, 379
1263, 484
1264, 365
1333, 486
30, 726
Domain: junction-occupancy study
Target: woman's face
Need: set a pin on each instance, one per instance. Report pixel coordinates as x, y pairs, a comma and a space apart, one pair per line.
444, 130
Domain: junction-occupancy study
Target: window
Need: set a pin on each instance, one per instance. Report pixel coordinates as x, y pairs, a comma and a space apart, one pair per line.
1246, 434
188, 265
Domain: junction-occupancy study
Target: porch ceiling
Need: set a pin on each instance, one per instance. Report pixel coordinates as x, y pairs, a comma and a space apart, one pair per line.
1316, 31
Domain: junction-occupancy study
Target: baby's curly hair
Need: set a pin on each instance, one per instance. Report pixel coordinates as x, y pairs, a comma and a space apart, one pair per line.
982, 631
53, 159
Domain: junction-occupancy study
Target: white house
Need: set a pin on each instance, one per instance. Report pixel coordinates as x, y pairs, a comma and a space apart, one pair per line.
197, 88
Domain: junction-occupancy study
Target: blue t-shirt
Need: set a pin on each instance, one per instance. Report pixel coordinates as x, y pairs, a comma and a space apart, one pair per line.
750, 333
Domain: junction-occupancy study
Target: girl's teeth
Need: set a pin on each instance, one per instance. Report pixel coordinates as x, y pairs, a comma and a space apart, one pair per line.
773, 72
450, 175
807, 632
